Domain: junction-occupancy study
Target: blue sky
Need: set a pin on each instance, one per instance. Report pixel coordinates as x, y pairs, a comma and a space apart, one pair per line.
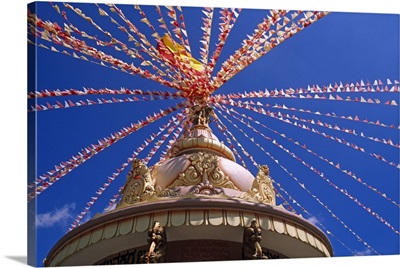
342, 47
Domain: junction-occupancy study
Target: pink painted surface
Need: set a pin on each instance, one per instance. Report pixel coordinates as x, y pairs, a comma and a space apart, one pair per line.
169, 171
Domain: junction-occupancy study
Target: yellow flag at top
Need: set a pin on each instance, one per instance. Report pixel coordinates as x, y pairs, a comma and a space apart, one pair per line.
169, 48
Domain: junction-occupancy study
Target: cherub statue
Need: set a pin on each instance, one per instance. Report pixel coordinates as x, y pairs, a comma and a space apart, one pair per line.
251, 242
157, 241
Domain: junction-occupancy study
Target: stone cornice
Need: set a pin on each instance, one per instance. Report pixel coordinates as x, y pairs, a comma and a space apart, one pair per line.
271, 218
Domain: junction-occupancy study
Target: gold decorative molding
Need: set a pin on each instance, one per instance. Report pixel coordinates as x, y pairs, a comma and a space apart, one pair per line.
203, 169
262, 188
201, 143
206, 189
139, 185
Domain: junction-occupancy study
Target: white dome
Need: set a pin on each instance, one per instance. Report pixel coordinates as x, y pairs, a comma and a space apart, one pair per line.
168, 172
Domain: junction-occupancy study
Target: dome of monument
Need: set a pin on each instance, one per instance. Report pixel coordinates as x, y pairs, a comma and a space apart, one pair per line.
198, 157
196, 167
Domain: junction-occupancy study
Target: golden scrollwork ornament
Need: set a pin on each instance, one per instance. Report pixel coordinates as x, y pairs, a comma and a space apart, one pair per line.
262, 188
139, 185
203, 169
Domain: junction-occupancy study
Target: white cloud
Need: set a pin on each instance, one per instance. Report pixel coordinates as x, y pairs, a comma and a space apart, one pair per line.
365, 252
313, 220
57, 216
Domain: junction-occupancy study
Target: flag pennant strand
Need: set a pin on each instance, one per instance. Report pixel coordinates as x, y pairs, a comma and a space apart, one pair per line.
111, 179
302, 185
93, 149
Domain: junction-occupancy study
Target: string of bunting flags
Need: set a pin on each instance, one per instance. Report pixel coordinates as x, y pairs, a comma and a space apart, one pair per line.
103, 91
186, 63
232, 67
135, 154
325, 206
286, 203
228, 19
337, 166
285, 94
70, 103
224, 99
225, 130
336, 127
301, 184
377, 86
342, 141
117, 196
303, 209
205, 39
47, 179
315, 170
55, 34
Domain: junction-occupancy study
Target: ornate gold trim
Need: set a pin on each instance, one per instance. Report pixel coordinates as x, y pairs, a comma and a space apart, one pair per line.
262, 188
203, 169
139, 185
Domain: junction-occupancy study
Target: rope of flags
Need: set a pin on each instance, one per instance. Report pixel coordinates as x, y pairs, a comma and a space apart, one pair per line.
165, 137
319, 173
286, 203
337, 166
50, 177
310, 215
205, 39
377, 86
154, 54
164, 26
74, 55
342, 141
190, 75
103, 91
89, 102
225, 99
223, 129
336, 127
171, 142
302, 185
234, 66
176, 121
179, 28
316, 96
228, 18
157, 37
55, 34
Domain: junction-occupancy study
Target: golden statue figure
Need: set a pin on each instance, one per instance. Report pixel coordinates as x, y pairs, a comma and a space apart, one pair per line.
251, 242
157, 241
